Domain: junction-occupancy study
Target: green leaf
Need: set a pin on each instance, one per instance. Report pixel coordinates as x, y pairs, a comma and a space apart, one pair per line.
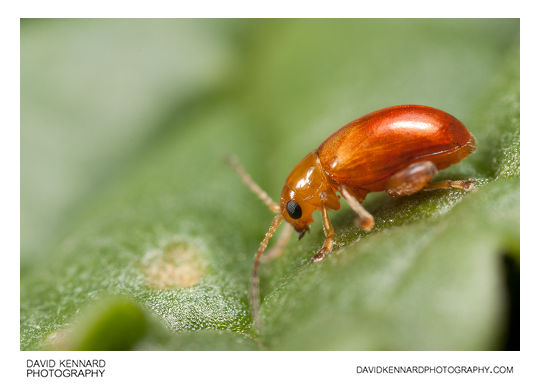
113, 323
153, 214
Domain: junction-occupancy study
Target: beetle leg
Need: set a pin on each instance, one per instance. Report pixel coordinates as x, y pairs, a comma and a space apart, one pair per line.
277, 249
364, 219
466, 185
328, 232
416, 178
261, 194
411, 179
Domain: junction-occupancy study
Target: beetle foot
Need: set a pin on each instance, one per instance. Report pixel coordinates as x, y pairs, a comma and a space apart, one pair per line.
469, 186
464, 185
366, 223
318, 257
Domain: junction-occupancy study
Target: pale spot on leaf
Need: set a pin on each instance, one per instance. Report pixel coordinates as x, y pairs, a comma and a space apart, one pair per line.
176, 266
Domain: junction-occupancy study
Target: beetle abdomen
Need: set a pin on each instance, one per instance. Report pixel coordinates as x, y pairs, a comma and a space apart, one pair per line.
368, 150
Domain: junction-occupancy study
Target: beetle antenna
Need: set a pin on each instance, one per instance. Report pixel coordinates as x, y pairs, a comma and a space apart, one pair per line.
254, 288
261, 194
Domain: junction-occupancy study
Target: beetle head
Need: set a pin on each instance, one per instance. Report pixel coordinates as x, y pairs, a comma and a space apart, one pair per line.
301, 194
296, 211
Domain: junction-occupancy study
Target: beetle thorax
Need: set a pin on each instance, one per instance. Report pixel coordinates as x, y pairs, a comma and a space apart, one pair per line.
301, 194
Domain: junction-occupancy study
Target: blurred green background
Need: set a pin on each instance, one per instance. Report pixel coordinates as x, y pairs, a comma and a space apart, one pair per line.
136, 235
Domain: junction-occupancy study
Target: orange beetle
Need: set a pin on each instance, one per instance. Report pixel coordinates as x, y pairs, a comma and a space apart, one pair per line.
397, 149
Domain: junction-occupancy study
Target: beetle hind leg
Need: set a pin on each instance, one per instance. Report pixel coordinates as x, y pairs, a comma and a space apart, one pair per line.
412, 179
466, 185
417, 176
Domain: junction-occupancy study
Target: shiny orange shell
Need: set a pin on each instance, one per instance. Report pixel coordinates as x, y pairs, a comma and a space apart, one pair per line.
367, 151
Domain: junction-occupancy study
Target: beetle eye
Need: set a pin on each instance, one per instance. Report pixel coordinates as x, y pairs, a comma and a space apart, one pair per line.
294, 210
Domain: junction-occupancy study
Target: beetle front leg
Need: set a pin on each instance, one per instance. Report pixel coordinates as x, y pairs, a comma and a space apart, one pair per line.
329, 235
